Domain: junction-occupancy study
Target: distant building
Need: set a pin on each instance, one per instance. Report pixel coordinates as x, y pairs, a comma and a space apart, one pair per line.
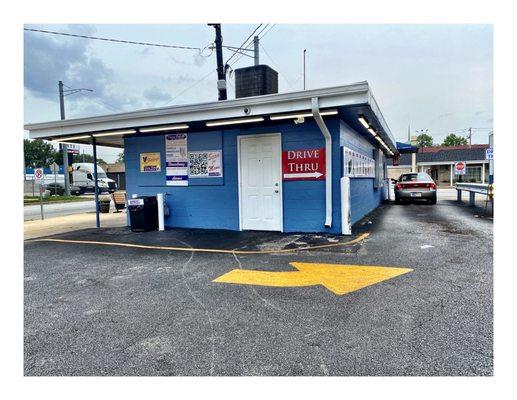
117, 172
439, 162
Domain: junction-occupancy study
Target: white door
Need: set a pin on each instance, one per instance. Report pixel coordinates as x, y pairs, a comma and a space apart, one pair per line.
260, 182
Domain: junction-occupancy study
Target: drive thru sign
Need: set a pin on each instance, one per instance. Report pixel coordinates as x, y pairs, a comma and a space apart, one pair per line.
305, 164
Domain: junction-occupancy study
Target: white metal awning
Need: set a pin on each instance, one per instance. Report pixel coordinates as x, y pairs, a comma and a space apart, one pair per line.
351, 101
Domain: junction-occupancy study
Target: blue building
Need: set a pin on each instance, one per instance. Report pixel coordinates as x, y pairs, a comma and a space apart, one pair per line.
306, 161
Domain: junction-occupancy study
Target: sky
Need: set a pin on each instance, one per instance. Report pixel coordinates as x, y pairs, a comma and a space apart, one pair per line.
437, 78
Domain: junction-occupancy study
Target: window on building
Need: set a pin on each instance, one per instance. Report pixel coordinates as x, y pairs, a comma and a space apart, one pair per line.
357, 165
473, 174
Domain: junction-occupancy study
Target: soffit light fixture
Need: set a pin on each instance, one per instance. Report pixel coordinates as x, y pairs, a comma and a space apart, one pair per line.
372, 131
234, 121
115, 133
164, 128
72, 138
301, 115
364, 122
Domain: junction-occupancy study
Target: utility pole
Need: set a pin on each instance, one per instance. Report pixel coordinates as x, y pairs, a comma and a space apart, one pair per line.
221, 73
64, 146
256, 50
304, 51
469, 137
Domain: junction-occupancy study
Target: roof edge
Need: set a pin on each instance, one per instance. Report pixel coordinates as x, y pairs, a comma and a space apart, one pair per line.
358, 87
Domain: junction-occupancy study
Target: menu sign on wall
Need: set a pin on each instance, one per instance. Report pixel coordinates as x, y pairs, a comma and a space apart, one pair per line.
176, 159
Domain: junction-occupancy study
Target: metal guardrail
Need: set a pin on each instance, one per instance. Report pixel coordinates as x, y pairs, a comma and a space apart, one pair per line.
473, 188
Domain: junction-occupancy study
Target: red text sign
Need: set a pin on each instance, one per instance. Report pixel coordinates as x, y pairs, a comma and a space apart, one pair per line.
306, 164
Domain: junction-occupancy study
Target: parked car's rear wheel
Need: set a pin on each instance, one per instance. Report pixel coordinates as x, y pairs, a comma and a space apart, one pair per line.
433, 200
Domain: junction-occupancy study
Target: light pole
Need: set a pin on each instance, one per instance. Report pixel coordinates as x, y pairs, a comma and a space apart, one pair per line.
304, 52
64, 146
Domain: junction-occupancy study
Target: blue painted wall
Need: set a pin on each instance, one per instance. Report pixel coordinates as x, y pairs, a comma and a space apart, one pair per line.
214, 202
364, 197
217, 205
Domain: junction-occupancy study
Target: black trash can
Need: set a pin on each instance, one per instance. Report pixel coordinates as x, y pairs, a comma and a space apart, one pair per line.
143, 213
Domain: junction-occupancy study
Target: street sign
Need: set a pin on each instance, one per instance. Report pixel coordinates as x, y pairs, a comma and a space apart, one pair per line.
39, 174
302, 165
460, 168
489, 154
70, 148
54, 168
73, 149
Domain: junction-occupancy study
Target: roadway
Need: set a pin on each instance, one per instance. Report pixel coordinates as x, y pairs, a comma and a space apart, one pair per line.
33, 212
156, 306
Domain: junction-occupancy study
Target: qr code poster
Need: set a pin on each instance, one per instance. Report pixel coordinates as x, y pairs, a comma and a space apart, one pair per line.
205, 164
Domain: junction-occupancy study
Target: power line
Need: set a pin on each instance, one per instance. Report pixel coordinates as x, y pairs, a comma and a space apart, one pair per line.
192, 86
272, 26
251, 43
275, 64
243, 43
170, 46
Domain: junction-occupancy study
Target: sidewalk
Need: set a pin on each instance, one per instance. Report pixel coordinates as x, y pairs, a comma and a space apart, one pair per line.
53, 226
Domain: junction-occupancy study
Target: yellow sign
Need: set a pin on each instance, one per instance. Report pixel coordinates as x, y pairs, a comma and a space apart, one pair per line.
150, 162
339, 279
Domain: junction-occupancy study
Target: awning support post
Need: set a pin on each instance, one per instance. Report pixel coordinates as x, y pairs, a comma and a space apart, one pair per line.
328, 161
96, 183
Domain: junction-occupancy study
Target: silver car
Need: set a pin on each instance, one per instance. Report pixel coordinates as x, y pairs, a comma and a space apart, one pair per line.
415, 186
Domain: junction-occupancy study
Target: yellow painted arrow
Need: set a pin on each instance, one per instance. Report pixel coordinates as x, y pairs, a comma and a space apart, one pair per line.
337, 278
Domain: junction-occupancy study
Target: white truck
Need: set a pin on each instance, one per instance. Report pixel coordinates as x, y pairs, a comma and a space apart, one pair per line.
82, 177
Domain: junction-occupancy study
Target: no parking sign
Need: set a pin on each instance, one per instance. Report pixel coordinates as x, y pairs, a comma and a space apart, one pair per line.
38, 174
460, 168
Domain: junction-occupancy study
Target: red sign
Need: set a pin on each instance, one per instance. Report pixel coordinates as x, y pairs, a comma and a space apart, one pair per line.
303, 165
460, 168
38, 174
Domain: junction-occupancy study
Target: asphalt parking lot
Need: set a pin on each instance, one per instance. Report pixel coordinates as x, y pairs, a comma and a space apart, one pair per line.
94, 309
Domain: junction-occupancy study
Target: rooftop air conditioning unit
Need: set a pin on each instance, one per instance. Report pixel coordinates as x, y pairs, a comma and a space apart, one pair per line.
256, 80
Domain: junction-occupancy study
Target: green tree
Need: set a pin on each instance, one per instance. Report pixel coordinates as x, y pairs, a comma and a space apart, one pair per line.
120, 159
87, 158
38, 153
424, 140
453, 140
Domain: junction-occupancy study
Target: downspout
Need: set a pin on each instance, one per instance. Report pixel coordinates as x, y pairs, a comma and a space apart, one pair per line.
328, 161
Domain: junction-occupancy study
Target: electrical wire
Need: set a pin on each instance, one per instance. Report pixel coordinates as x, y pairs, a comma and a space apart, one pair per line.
260, 38
170, 46
243, 43
275, 64
192, 86
272, 26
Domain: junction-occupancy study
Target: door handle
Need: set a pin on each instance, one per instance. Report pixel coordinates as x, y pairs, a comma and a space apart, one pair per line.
276, 191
